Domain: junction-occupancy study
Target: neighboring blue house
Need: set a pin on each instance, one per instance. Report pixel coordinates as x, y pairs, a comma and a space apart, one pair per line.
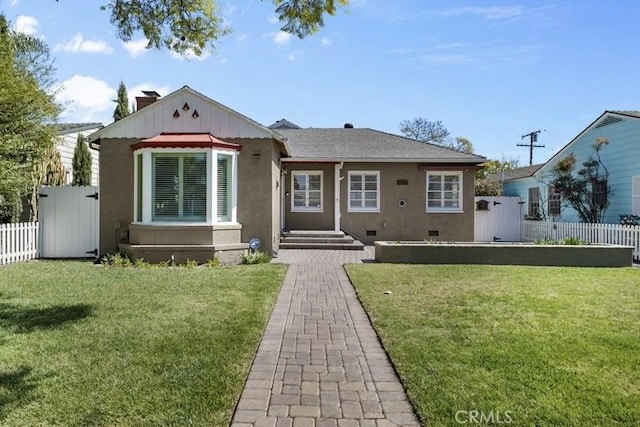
621, 157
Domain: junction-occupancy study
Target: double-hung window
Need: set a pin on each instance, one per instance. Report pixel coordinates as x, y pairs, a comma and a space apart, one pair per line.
554, 202
364, 191
444, 191
179, 187
306, 188
534, 203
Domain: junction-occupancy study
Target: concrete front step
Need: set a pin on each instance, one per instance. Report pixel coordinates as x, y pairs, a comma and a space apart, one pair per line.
353, 246
320, 234
345, 239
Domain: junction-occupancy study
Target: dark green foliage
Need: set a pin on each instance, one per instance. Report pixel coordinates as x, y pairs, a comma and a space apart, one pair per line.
27, 113
194, 25
81, 163
122, 103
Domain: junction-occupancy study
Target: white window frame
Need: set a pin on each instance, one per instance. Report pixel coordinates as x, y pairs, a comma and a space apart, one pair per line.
146, 176
363, 175
445, 209
635, 195
316, 209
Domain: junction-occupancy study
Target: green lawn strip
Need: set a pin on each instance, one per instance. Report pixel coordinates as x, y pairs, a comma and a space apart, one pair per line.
87, 345
553, 346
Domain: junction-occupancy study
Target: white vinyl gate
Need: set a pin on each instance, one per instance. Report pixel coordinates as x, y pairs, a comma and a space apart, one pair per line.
497, 219
69, 222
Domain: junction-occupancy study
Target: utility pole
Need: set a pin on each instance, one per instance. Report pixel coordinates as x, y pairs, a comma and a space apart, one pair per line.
533, 138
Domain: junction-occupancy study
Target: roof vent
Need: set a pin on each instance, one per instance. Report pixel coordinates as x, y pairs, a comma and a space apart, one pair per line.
609, 120
348, 126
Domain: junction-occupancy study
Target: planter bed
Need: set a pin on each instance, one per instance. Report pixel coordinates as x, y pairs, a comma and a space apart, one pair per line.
417, 252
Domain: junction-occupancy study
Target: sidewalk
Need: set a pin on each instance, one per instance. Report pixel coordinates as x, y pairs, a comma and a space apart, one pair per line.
320, 362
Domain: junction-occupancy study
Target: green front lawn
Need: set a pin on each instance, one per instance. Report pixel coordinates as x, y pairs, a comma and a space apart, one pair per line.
87, 345
529, 345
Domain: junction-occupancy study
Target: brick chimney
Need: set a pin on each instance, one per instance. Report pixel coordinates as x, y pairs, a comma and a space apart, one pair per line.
150, 97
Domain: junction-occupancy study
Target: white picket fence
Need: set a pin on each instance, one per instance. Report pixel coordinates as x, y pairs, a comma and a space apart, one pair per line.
610, 234
18, 242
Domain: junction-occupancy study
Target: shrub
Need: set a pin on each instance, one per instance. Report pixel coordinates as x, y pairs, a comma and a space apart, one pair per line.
574, 241
190, 263
213, 263
116, 260
256, 257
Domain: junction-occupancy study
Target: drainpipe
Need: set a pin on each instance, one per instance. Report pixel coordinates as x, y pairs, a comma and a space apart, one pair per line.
336, 195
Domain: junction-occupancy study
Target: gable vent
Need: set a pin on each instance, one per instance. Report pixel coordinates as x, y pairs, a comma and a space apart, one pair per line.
609, 120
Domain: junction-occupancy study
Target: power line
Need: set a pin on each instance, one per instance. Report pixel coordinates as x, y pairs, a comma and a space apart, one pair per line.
533, 138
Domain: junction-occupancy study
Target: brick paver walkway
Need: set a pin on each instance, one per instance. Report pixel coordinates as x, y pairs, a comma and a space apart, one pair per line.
320, 362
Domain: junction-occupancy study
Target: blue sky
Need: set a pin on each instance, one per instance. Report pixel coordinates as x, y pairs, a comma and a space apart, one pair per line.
490, 71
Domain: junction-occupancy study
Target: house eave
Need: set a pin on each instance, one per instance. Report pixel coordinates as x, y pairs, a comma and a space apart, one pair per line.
462, 162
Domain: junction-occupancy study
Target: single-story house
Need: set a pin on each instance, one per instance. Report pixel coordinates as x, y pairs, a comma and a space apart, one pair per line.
621, 157
186, 176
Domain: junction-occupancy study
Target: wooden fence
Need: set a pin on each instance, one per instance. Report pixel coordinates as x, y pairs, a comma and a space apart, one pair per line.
18, 242
610, 234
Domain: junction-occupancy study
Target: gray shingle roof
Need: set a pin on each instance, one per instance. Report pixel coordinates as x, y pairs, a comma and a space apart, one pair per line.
629, 113
515, 173
283, 124
64, 128
367, 144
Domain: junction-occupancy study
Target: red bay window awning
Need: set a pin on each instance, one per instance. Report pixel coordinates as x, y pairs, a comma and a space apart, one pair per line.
185, 140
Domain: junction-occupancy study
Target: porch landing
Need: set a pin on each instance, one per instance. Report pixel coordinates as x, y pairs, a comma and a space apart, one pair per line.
319, 239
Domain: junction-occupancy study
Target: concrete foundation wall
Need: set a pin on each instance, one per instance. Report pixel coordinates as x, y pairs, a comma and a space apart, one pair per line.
562, 255
145, 234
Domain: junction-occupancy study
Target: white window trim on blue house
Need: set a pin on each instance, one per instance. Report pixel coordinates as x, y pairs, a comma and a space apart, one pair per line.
143, 188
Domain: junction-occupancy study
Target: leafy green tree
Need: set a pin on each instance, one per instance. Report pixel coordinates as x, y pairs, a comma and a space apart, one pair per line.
81, 163
488, 180
122, 103
27, 112
194, 25
583, 187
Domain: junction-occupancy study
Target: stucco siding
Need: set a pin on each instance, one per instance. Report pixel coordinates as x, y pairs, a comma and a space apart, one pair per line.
256, 189
392, 222
411, 222
116, 192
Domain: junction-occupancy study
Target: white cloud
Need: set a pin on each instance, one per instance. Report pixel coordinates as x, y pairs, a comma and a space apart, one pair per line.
26, 24
86, 99
242, 37
504, 12
325, 41
79, 45
273, 19
281, 38
190, 55
13, 2
292, 56
136, 47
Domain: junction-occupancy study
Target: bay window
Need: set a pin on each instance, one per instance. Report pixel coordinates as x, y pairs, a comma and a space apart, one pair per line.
184, 185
